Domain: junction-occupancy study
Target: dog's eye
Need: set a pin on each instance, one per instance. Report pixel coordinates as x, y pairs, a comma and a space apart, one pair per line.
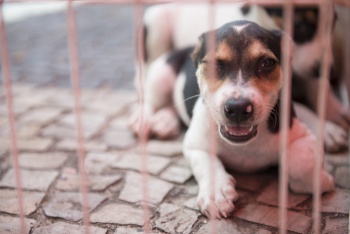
267, 64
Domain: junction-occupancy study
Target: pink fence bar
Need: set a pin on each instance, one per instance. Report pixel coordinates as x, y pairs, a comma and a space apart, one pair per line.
285, 114
326, 27
75, 80
263, 2
326, 7
6, 75
143, 138
213, 146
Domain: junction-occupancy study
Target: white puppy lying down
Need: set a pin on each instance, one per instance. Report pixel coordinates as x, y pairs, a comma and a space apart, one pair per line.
242, 101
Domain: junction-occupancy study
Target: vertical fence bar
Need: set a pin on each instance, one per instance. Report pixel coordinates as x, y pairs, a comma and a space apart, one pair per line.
326, 8
143, 138
75, 80
6, 75
212, 73
285, 114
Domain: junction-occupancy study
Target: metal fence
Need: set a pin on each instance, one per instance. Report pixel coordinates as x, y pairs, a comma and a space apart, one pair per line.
73, 41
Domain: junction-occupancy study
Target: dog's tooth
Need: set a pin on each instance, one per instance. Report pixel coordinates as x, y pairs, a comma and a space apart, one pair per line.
251, 128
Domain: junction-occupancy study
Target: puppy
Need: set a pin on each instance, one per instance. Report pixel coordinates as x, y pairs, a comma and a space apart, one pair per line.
241, 101
177, 26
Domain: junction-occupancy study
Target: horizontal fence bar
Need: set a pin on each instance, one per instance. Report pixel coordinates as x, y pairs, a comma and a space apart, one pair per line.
262, 2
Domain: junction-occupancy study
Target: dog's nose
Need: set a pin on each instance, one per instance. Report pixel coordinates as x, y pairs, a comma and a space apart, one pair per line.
238, 110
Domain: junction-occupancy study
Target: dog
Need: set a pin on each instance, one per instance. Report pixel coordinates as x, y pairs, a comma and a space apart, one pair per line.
236, 109
176, 26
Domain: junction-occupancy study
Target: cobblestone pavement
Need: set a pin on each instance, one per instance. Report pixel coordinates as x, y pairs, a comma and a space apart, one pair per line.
45, 128
50, 176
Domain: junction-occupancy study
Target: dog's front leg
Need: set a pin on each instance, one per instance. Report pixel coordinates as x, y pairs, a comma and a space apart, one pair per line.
216, 187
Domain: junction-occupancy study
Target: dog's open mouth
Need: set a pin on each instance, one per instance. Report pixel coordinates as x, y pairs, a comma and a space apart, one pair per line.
238, 134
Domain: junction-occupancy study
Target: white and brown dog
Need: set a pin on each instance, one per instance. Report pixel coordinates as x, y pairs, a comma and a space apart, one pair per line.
241, 100
171, 27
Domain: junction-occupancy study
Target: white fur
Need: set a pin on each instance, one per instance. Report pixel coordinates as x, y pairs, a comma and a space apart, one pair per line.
179, 99
257, 154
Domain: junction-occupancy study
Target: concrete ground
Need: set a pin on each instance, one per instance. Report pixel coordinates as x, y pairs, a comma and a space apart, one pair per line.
45, 128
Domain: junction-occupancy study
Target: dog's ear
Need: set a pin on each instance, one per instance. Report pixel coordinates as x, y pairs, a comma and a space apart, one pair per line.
278, 47
199, 50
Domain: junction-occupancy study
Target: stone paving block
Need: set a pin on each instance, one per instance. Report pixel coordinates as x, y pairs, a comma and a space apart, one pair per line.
59, 132
133, 161
12, 225
2, 153
192, 204
173, 219
121, 122
269, 196
31, 180
341, 159
71, 181
72, 145
24, 131
119, 139
70, 205
177, 174
65, 228
18, 109
97, 162
266, 215
40, 116
131, 230
342, 176
227, 226
251, 182
91, 123
336, 225
9, 201
164, 148
118, 214
3, 121
337, 201
133, 189
34, 144
42, 161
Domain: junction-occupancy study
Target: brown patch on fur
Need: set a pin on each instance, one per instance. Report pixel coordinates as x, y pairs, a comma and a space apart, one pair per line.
269, 83
257, 49
209, 76
223, 52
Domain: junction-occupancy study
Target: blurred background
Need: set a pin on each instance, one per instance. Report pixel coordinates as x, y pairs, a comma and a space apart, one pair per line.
38, 45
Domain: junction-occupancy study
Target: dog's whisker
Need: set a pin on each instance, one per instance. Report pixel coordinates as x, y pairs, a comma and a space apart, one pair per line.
189, 98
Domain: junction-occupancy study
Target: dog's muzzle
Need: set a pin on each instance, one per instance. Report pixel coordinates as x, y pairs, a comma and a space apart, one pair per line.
238, 112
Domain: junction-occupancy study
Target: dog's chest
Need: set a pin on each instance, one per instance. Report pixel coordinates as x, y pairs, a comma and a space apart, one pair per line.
260, 153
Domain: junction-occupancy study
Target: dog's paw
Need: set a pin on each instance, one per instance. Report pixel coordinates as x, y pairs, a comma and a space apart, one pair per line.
165, 124
218, 203
305, 186
341, 117
336, 138
139, 121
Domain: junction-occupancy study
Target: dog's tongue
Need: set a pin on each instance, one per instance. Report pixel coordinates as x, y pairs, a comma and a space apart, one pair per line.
238, 130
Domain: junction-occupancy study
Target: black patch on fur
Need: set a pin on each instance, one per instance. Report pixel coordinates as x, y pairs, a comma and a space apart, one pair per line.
273, 122
239, 43
191, 88
305, 22
177, 58
299, 89
333, 78
245, 10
